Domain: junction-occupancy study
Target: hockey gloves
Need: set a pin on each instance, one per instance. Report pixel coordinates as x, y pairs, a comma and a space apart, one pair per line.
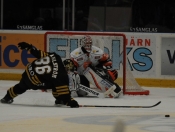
24, 45
113, 74
73, 103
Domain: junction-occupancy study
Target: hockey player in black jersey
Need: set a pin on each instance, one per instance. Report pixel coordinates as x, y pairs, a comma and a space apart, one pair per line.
46, 72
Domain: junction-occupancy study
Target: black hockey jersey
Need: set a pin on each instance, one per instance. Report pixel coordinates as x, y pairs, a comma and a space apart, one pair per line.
48, 71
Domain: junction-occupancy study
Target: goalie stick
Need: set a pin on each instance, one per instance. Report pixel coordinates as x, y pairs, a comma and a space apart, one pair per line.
121, 106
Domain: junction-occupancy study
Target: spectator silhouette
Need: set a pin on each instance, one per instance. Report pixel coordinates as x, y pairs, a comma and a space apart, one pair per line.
46, 21
80, 21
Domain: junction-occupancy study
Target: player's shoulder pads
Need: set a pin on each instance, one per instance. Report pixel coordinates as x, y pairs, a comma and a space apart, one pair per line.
96, 50
76, 53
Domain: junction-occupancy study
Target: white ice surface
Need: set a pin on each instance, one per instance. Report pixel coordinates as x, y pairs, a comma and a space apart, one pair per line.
34, 111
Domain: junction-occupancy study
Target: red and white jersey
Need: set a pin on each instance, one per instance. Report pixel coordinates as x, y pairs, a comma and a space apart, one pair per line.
79, 57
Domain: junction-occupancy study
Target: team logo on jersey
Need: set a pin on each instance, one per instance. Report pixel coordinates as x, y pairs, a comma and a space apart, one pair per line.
95, 51
77, 53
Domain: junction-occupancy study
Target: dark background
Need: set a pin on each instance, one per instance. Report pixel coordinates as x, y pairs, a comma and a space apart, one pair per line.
91, 15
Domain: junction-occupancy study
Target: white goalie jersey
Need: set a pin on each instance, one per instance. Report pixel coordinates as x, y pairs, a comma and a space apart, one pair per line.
80, 57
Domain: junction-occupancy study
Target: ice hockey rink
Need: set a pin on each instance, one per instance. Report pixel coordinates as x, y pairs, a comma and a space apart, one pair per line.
34, 111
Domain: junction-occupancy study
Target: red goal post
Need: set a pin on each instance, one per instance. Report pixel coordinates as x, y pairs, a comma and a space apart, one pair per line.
63, 42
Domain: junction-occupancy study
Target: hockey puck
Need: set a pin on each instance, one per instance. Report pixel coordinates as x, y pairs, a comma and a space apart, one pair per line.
167, 115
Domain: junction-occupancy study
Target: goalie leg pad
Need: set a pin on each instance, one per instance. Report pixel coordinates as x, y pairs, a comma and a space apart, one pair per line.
96, 80
100, 81
111, 92
91, 91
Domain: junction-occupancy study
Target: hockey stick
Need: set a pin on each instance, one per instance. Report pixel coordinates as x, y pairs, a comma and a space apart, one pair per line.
121, 106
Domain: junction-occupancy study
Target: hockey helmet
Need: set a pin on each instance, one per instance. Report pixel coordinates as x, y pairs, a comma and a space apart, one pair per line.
87, 43
69, 65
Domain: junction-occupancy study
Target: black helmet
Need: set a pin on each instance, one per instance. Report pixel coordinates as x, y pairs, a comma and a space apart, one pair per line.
69, 65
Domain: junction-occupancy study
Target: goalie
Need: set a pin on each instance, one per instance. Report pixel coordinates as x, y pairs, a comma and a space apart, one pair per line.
95, 67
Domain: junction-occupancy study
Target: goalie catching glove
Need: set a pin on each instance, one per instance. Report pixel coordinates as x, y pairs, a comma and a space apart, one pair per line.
24, 45
113, 74
101, 80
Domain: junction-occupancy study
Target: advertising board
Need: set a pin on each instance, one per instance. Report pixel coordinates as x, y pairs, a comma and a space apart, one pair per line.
11, 57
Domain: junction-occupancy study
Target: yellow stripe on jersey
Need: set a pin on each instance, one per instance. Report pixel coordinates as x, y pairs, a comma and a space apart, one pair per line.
11, 92
55, 94
37, 80
33, 78
43, 54
46, 54
65, 86
62, 90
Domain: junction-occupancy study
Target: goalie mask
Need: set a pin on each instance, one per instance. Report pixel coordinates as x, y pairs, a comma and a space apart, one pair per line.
87, 43
69, 65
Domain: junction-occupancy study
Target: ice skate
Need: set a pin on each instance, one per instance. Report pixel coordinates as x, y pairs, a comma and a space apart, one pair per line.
6, 101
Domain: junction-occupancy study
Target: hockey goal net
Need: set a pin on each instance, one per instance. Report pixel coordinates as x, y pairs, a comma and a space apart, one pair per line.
112, 43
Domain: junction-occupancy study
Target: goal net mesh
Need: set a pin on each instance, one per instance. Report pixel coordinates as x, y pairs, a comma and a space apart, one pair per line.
112, 43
